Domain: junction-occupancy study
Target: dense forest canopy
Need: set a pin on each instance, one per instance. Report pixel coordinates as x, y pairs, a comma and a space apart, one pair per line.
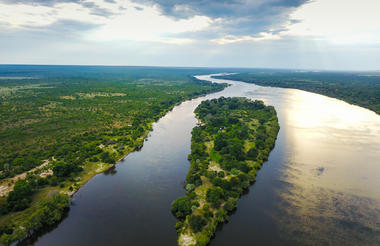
58, 111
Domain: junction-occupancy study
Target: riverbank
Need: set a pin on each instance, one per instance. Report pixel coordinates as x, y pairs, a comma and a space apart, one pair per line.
354, 88
17, 225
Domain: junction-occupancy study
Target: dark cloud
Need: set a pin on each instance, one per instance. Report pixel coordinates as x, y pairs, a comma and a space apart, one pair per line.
139, 8
240, 17
96, 9
220, 8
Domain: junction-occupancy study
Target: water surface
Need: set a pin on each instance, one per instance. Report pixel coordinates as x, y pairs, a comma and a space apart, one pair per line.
320, 186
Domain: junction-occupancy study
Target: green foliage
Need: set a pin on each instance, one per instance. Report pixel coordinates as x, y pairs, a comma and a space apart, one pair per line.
62, 169
80, 115
196, 223
107, 157
47, 213
252, 153
230, 205
52, 210
181, 207
236, 135
214, 196
68, 112
19, 198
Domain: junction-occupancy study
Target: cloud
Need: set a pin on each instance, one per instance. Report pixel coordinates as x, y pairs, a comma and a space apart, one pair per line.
234, 17
321, 34
176, 19
235, 39
219, 8
39, 2
149, 25
24, 16
338, 21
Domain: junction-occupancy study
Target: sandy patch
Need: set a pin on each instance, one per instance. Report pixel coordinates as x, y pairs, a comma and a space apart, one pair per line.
185, 239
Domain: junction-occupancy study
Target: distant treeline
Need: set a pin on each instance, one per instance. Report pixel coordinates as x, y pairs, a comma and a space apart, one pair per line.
362, 89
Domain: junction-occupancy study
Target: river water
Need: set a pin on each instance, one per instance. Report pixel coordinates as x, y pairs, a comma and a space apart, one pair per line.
320, 186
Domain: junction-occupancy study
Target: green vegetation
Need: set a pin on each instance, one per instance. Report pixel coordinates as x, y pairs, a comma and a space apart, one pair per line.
228, 147
48, 212
362, 89
70, 123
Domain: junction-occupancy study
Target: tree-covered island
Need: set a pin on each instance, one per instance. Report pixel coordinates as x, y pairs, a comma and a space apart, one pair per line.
232, 140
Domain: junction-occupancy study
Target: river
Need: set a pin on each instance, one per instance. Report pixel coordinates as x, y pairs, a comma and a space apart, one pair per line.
320, 186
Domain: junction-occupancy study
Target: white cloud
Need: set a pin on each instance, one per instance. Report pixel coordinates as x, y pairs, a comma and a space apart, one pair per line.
148, 25
234, 39
21, 16
126, 21
338, 21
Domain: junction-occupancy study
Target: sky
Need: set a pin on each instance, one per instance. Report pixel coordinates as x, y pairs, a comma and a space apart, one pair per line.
300, 34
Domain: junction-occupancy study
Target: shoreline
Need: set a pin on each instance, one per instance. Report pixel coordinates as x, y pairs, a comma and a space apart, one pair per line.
71, 186
137, 148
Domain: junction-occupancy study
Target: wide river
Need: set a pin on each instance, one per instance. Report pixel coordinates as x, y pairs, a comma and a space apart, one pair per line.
320, 186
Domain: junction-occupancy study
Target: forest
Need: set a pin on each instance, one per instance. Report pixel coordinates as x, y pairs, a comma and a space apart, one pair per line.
229, 145
64, 124
359, 88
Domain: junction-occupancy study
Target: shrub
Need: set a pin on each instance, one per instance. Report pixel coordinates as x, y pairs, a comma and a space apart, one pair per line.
252, 153
19, 198
62, 169
214, 196
107, 158
196, 223
230, 205
181, 207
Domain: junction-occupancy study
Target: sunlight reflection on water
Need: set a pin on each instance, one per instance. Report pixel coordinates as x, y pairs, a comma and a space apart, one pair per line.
331, 174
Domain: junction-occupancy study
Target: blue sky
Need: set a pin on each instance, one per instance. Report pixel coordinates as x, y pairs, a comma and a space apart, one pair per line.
318, 34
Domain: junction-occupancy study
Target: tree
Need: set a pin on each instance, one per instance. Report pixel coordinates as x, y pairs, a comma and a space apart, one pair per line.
197, 223
230, 205
220, 141
19, 198
181, 207
107, 158
214, 196
62, 169
252, 153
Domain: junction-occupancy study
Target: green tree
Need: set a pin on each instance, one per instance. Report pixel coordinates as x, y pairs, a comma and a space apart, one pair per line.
181, 207
19, 198
214, 196
197, 223
252, 153
107, 157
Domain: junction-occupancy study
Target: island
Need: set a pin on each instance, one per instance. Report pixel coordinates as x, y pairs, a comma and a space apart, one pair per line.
230, 143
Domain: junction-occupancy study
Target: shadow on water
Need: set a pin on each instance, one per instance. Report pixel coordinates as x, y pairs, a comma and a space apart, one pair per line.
111, 171
33, 237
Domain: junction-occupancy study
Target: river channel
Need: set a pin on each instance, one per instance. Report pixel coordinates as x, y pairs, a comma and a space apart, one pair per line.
320, 186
